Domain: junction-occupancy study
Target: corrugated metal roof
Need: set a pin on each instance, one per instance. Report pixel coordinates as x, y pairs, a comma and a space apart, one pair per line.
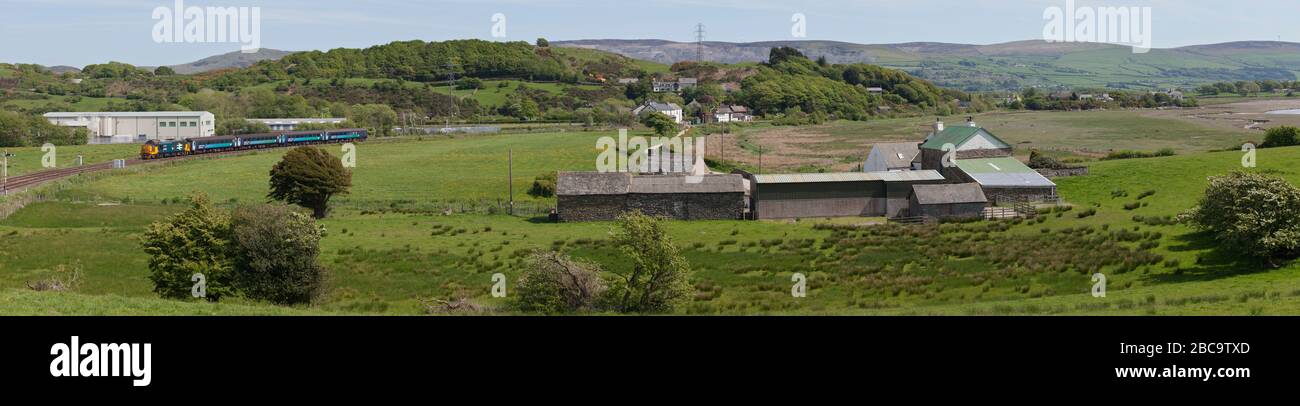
1002, 172
900, 176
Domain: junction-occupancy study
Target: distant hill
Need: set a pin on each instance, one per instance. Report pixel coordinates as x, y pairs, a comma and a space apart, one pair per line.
235, 59
1010, 65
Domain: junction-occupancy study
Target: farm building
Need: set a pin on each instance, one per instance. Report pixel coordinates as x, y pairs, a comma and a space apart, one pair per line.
596, 196
981, 157
1006, 178
949, 201
891, 157
852, 194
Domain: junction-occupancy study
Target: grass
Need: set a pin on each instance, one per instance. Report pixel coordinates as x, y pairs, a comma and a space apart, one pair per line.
29, 159
387, 248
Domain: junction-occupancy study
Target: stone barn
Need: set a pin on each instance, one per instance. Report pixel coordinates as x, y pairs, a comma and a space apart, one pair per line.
853, 194
595, 196
948, 201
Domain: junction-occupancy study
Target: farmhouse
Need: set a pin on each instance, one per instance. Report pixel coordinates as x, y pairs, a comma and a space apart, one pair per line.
806, 195
596, 196
950, 201
126, 127
891, 157
672, 110
730, 113
983, 158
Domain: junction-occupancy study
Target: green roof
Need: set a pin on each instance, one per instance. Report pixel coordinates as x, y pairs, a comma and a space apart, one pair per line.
958, 135
993, 165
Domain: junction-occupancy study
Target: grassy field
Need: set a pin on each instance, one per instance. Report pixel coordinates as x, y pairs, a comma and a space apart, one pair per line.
389, 245
29, 159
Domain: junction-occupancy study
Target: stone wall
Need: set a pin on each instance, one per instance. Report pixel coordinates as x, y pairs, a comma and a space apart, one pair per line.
683, 206
1062, 173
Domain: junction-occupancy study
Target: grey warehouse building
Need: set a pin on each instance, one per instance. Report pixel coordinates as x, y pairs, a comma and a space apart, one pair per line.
862, 194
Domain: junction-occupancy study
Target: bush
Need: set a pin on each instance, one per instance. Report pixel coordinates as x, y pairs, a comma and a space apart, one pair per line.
1138, 154
543, 186
1252, 213
553, 283
195, 241
1284, 136
274, 254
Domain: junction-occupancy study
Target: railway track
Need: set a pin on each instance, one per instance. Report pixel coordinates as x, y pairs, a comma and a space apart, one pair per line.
23, 182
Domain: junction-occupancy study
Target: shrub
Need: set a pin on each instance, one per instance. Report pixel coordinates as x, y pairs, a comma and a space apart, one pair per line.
543, 186
1146, 194
1126, 154
274, 254
195, 241
1092, 211
1284, 136
1255, 214
553, 283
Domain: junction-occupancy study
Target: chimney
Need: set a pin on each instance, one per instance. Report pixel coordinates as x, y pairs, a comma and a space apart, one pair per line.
938, 126
970, 121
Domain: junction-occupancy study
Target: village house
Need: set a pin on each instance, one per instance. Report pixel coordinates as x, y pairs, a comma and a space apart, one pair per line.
891, 157
673, 86
596, 196
731, 113
672, 110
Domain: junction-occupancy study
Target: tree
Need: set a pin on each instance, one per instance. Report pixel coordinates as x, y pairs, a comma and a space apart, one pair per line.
1284, 136
193, 242
658, 280
543, 43
309, 177
553, 283
164, 71
660, 123
1251, 213
378, 118
275, 254
239, 126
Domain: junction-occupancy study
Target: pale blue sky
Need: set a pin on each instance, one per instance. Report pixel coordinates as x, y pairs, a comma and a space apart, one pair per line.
79, 32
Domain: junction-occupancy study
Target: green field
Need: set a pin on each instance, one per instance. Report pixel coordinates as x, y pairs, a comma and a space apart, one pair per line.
29, 159
390, 245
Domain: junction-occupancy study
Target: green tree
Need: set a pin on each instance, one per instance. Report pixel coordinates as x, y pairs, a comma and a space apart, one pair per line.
543, 43
1251, 213
275, 254
192, 242
1284, 136
553, 283
164, 71
659, 277
660, 123
309, 177
378, 118
239, 126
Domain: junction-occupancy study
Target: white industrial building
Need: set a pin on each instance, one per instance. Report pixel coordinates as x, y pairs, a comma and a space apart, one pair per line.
290, 124
125, 127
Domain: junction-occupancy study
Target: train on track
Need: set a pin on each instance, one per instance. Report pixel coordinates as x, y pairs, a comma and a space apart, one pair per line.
155, 149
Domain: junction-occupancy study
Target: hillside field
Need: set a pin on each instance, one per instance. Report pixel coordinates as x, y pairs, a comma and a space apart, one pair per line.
392, 244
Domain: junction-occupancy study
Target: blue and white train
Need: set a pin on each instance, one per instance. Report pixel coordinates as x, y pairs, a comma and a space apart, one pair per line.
155, 149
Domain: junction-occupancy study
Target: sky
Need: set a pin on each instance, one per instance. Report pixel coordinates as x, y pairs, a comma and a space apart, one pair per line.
80, 32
